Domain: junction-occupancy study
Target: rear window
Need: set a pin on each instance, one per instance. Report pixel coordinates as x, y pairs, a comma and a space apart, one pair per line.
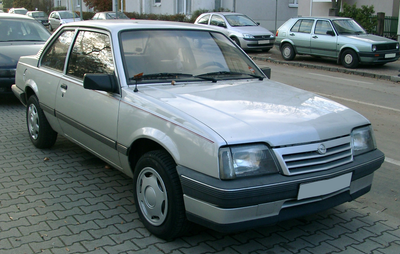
303, 26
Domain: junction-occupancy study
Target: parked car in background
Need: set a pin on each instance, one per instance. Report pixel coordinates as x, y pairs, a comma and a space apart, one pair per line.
336, 37
19, 35
109, 15
58, 18
40, 16
206, 136
22, 11
240, 28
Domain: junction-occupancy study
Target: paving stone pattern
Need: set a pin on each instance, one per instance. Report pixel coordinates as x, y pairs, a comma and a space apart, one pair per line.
65, 200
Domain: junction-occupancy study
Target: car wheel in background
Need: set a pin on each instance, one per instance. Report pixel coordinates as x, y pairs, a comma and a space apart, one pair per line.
39, 129
288, 52
349, 58
158, 195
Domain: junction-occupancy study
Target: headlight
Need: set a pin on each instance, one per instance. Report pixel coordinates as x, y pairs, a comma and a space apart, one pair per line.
246, 160
397, 46
248, 36
373, 48
363, 140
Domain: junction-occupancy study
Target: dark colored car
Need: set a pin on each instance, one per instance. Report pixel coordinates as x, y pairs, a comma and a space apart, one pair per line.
20, 35
40, 16
109, 15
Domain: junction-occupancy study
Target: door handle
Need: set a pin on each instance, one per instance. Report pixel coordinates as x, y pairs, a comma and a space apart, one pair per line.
292, 34
64, 86
315, 37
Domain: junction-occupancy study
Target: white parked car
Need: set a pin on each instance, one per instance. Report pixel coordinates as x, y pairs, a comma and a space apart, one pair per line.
241, 29
58, 18
206, 136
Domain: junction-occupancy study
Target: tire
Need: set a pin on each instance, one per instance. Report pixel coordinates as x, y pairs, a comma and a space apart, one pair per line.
349, 59
288, 52
40, 132
158, 196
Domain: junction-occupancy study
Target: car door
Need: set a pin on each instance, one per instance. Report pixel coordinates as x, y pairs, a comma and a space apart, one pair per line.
89, 117
300, 35
324, 39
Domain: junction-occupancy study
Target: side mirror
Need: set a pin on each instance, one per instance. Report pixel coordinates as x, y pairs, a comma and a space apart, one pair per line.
101, 82
330, 32
267, 71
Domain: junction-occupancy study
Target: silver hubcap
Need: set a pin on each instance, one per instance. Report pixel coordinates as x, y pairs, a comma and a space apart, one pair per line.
348, 59
152, 196
286, 52
33, 121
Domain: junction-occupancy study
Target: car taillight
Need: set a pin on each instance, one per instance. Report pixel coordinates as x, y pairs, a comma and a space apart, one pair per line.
276, 34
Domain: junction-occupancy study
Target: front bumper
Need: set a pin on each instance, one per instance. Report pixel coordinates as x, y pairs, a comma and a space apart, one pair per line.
379, 57
5, 84
257, 43
228, 206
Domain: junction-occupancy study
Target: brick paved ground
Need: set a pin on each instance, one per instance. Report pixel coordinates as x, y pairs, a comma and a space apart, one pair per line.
64, 200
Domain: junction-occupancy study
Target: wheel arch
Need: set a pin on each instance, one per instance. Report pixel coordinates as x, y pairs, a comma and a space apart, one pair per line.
345, 47
144, 145
287, 41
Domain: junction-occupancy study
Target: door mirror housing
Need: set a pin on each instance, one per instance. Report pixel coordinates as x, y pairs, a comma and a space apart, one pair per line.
101, 82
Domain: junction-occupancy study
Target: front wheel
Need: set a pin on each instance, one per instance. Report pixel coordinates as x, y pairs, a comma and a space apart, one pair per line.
349, 59
288, 52
158, 195
39, 129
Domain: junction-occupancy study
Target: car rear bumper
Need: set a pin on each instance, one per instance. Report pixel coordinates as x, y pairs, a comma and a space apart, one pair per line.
234, 205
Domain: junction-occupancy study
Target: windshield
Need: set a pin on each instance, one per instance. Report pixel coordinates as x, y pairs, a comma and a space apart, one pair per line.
68, 15
22, 30
183, 55
347, 26
38, 14
121, 15
20, 11
239, 20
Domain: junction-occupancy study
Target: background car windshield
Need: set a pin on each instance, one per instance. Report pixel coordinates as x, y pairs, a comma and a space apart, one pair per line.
121, 15
21, 11
22, 30
180, 51
68, 15
38, 14
348, 26
240, 20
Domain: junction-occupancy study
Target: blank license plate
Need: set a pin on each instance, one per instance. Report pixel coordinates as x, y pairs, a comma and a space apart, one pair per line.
324, 187
390, 55
263, 42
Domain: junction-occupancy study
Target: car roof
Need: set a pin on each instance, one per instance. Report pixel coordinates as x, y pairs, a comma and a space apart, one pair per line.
14, 16
322, 17
224, 13
123, 24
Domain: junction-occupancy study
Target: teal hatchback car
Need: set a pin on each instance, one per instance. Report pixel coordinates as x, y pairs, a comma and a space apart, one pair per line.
337, 37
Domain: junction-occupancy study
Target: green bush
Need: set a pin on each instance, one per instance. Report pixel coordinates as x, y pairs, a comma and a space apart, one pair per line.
362, 15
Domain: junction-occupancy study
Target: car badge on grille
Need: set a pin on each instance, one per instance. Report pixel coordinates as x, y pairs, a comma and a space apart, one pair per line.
321, 149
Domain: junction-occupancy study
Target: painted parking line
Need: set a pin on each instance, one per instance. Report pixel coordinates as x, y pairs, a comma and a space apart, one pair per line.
360, 102
392, 161
345, 79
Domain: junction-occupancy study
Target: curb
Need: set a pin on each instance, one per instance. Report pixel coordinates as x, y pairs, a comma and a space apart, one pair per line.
327, 68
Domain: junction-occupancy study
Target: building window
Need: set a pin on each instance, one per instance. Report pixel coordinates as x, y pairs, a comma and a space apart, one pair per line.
294, 3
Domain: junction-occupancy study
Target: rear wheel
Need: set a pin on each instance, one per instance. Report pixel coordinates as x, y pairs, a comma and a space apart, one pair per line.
39, 129
158, 195
288, 52
349, 58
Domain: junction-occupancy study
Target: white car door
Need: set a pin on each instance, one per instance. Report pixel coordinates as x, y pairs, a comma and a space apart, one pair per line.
86, 116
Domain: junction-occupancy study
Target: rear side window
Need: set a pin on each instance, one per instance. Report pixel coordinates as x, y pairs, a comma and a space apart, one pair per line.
204, 20
57, 52
303, 26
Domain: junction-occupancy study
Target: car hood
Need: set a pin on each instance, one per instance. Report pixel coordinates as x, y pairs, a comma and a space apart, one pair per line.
370, 38
259, 111
254, 30
71, 20
10, 52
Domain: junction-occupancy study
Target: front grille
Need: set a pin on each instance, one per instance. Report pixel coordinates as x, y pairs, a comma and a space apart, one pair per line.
302, 159
387, 46
262, 37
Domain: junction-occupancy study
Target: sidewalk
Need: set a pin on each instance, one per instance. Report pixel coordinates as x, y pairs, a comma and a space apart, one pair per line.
389, 71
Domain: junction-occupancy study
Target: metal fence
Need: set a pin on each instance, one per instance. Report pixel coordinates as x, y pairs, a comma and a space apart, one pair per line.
390, 27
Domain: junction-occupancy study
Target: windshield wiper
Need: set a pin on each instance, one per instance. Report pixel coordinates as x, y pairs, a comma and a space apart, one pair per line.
230, 73
163, 75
